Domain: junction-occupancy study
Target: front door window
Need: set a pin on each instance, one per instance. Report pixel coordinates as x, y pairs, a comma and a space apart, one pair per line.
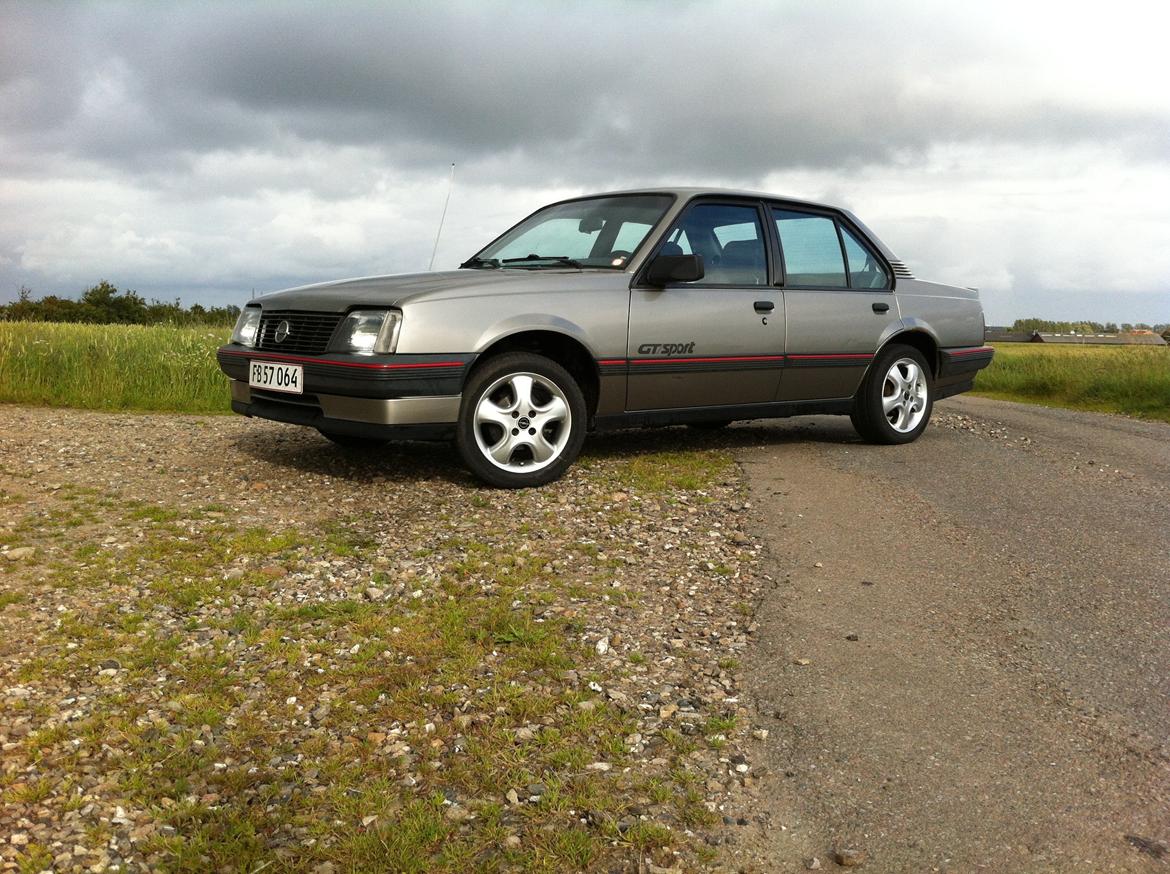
729, 238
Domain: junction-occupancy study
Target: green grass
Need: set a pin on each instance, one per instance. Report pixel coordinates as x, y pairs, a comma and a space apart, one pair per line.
112, 367
162, 368
1132, 380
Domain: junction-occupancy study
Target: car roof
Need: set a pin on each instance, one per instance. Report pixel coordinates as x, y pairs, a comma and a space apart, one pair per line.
686, 192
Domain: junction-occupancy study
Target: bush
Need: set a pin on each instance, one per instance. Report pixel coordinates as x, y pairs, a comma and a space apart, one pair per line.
105, 305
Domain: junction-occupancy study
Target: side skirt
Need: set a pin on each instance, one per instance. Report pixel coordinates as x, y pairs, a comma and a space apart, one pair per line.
719, 414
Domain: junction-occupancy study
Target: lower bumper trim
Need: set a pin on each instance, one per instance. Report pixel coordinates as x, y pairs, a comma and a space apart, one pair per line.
439, 410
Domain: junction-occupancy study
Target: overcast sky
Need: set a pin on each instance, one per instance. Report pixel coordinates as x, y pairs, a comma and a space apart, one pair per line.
202, 150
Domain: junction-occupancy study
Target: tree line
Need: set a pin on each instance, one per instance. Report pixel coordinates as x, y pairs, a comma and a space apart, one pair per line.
1050, 327
106, 305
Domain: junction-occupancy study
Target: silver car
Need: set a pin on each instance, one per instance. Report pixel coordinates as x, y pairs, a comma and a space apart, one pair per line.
651, 307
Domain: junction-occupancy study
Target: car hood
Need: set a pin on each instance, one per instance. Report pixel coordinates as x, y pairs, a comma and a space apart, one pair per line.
383, 291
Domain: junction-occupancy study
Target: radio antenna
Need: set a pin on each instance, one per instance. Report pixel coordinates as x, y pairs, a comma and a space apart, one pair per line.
442, 218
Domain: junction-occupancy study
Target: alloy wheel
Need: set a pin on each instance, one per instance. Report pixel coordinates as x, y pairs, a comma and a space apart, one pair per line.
522, 422
904, 393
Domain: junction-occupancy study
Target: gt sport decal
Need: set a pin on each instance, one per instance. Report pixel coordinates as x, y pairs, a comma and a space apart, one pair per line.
666, 348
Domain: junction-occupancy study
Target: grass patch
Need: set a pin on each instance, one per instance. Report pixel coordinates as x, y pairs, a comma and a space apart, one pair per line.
1131, 380
113, 367
672, 471
8, 598
663, 472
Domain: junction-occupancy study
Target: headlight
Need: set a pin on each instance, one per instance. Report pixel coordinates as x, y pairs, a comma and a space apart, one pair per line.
366, 332
247, 327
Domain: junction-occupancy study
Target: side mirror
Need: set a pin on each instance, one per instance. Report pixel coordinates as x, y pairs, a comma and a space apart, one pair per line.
675, 268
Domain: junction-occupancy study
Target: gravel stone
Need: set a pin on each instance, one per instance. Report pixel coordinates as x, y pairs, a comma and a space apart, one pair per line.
849, 858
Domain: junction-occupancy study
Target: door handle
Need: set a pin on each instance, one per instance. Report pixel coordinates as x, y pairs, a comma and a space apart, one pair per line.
764, 306
881, 307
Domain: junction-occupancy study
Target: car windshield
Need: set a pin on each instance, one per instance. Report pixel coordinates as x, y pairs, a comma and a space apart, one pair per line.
600, 232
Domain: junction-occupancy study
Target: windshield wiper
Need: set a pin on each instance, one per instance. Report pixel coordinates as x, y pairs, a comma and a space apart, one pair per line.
560, 259
479, 263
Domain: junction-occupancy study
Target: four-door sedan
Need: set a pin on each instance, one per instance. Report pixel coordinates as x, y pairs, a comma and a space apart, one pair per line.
647, 307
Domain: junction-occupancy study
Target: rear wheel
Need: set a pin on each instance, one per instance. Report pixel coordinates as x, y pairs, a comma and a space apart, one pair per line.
522, 421
896, 399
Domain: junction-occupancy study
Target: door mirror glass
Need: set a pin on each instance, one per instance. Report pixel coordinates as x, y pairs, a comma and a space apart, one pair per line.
666, 269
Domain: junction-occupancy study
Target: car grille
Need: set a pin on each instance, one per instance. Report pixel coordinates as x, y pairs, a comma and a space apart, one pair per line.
307, 332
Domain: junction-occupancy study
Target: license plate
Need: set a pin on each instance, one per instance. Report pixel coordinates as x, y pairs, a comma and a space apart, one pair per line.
276, 377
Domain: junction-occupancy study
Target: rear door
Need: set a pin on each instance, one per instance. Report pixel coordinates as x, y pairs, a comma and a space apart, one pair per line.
839, 302
718, 341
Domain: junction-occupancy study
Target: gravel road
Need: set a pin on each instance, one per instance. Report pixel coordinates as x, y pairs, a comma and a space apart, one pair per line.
963, 652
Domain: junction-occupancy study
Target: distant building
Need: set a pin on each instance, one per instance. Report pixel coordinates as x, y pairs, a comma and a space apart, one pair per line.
999, 334
1133, 338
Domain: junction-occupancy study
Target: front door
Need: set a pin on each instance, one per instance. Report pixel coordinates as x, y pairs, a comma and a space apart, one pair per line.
718, 341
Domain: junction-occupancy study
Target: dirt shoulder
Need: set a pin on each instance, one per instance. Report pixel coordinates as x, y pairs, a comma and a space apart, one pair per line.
230, 645
963, 647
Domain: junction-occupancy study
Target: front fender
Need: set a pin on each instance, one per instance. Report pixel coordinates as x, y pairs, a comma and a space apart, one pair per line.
525, 322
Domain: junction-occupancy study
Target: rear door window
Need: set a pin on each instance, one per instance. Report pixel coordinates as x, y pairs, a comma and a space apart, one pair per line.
811, 249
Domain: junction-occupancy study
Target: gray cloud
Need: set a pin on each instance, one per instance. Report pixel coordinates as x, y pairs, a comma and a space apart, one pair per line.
211, 131
734, 89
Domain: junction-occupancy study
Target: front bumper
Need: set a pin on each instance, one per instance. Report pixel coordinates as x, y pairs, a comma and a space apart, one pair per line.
390, 397
374, 376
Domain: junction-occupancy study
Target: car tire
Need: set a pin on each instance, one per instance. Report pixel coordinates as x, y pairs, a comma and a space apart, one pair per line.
521, 422
349, 441
894, 402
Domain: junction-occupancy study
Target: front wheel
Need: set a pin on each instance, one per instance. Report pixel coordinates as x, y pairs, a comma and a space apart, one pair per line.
522, 421
895, 401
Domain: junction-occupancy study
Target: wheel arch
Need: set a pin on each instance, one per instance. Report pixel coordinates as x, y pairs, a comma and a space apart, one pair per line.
917, 337
867, 417
568, 351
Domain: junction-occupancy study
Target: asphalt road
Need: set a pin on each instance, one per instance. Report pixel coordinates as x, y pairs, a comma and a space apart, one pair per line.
1005, 704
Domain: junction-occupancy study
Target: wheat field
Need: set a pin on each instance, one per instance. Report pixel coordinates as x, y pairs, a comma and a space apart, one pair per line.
113, 367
